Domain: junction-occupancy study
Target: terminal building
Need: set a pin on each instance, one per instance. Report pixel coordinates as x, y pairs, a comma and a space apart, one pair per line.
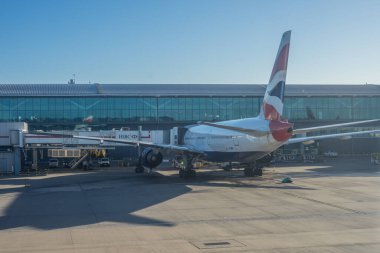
163, 106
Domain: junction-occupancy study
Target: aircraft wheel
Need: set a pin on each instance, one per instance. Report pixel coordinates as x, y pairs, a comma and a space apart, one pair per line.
187, 173
192, 173
228, 167
139, 169
248, 172
258, 172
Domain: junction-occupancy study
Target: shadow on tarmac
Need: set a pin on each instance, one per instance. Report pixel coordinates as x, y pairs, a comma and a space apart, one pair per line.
83, 199
86, 198
355, 167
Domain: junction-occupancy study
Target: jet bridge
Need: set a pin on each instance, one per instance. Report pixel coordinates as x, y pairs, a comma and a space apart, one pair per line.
177, 135
11, 144
18, 147
62, 140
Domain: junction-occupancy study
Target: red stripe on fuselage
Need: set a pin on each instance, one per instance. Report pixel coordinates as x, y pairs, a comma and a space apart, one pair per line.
281, 61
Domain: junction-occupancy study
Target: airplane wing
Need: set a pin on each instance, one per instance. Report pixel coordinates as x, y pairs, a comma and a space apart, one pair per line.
140, 143
320, 137
325, 127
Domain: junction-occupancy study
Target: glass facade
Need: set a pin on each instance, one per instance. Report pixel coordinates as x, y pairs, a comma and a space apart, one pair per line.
126, 109
332, 108
121, 110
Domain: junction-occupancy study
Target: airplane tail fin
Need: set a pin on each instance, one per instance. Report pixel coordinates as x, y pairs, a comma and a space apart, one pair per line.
273, 102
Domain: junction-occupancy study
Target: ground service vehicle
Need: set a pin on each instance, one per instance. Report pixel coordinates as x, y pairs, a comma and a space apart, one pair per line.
53, 163
104, 162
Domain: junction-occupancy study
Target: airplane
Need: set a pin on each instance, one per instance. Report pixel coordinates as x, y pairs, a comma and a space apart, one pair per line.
248, 140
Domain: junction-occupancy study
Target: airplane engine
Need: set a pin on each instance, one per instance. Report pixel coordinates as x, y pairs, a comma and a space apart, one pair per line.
151, 158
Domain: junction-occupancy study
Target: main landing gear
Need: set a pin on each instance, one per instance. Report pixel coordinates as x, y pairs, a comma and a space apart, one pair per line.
187, 170
228, 167
187, 173
253, 170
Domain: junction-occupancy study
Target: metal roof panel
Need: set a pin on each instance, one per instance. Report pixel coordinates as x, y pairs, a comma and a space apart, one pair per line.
182, 90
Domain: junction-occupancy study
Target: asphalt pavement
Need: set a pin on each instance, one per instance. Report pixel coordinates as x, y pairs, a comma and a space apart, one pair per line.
329, 207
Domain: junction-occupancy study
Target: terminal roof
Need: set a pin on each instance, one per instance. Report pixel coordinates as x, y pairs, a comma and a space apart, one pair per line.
183, 90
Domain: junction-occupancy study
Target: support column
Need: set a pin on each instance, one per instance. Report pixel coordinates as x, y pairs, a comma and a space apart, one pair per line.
302, 148
34, 164
139, 139
17, 161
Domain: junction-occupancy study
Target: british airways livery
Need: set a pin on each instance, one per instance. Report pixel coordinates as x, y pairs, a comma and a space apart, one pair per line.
249, 141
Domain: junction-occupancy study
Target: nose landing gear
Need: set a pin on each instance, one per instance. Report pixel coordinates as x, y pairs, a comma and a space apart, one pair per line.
187, 171
139, 169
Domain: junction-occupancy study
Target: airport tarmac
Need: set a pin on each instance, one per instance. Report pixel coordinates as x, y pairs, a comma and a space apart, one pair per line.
330, 207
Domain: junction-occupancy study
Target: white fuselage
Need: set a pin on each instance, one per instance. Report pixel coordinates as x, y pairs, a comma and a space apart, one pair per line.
222, 145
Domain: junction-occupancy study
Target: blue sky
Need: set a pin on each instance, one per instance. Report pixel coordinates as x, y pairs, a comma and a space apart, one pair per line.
188, 41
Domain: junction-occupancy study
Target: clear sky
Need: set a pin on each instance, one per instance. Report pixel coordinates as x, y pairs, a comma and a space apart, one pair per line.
188, 41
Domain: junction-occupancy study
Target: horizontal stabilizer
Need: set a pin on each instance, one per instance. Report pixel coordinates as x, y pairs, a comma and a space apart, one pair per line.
326, 127
328, 136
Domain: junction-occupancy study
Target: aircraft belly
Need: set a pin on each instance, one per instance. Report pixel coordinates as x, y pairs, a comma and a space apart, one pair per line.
217, 156
247, 151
